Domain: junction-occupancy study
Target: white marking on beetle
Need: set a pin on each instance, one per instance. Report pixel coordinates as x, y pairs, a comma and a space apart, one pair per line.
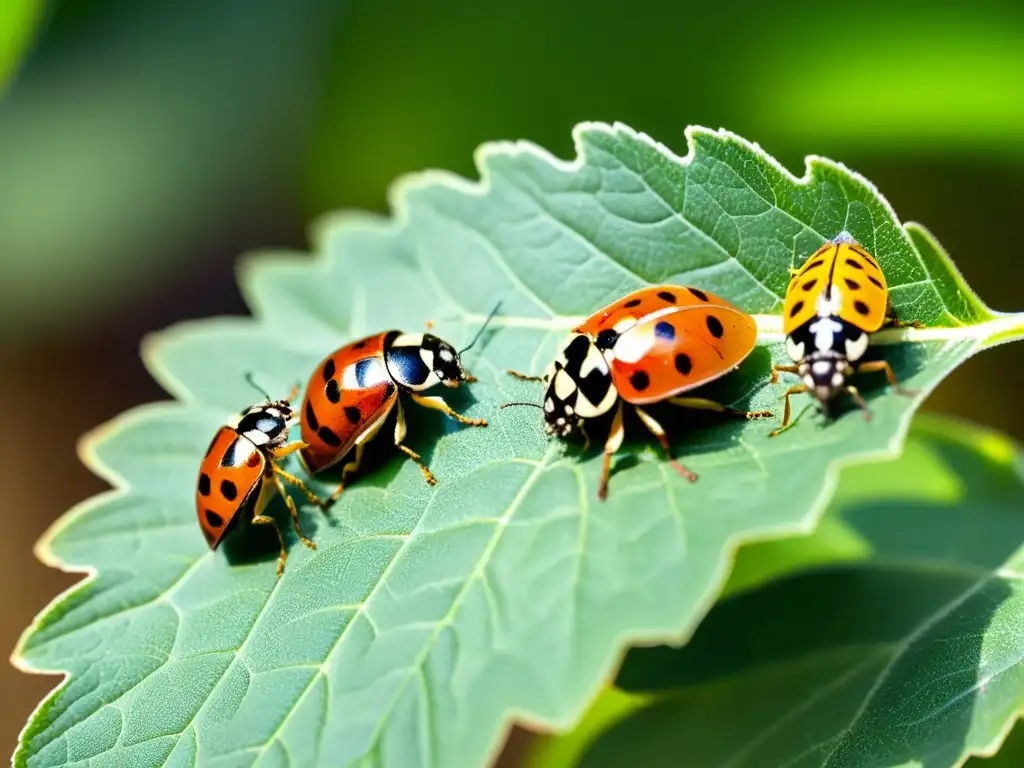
635, 345
825, 330
794, 350
564, 385
855, 349
408, 340
594, 361
830, 302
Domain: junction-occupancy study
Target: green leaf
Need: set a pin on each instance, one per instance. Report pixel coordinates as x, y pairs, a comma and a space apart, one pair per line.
908, 656
18, 20
428, 618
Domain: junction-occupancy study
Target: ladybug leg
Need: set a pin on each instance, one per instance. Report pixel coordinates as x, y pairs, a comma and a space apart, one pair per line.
352, 466
264, 520
611, 446
292, 511
894, 322
795, 390
702, 404
523, 376
659, 432
400, 431
859, 400
586, 437
883, 365
289, 448
438, 404
300, 485
784, 369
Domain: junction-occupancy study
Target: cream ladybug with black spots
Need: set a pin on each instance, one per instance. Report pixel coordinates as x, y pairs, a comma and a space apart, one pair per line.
834, 302
240, 472
647, 347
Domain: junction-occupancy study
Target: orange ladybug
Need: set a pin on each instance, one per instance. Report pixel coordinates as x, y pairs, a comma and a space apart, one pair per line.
352, 392
240, 472
647, 347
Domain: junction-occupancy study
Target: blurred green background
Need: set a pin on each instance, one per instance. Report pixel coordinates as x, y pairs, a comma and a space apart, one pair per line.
143, 146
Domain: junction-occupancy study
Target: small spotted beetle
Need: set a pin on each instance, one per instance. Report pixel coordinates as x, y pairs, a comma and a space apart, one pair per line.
352, 392
240, 472
833, 303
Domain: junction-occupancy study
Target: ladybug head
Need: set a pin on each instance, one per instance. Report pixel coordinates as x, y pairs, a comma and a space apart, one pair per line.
560, 397
561, 418
824, 375
267, 424
445, 361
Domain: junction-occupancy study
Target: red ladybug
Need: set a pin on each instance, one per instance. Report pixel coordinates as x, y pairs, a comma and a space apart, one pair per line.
353, 391
647, 347
240, 472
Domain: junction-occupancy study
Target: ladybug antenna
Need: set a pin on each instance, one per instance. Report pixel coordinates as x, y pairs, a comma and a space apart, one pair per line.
257, 387
506, 405
482, 329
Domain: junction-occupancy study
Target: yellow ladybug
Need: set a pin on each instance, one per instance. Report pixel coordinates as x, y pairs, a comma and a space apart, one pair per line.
833, 303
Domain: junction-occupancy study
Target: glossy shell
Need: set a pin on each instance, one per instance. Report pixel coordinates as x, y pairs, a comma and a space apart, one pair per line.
347, 395
671, 339
846, 281
230, 475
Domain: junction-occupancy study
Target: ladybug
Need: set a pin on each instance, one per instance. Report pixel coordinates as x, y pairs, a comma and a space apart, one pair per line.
353, 391
834, 302
240, 472
647, 347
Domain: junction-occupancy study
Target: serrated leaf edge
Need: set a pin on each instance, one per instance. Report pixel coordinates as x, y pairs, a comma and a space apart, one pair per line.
1003, 328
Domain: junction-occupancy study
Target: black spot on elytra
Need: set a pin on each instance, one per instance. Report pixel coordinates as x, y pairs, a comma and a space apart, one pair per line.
332, 391
698, 293
329, 370
809, 285
253, 460
632, 303
665, 330
353, 414
325, 434
204, 484
795, 309
667, 296
213, 519
854, 263
874, 281
359, 344
861, 307
866, 256
228, 490
684, 364
853, 285
715, 326
311, 420
640, 381
813, 265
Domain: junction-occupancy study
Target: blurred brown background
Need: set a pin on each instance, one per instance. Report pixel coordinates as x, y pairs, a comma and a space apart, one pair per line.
144, 146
